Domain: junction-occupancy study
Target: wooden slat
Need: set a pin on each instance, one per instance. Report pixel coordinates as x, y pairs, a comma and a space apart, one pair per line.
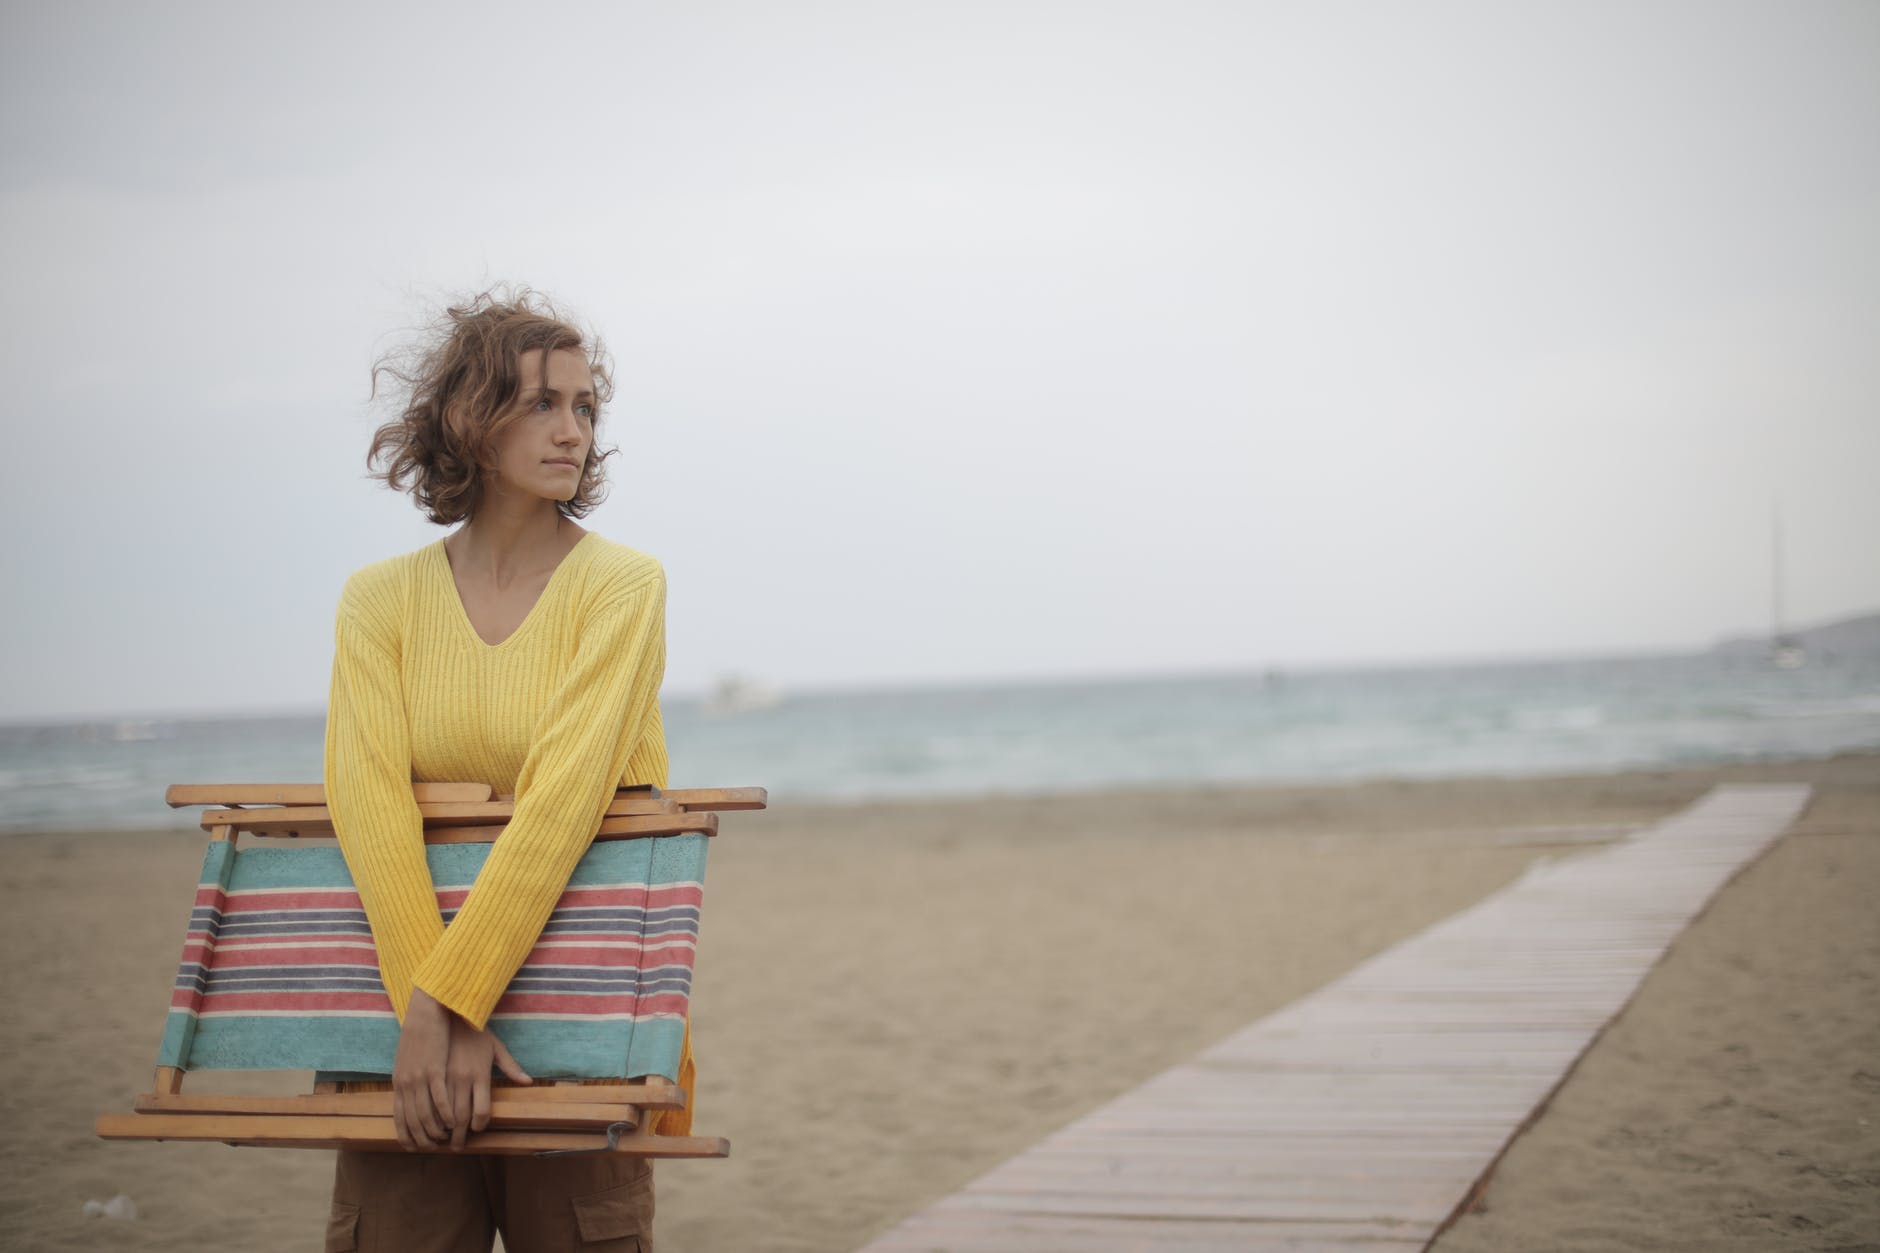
610, 829
661, 1094
505, 1115
667, 824
378, 1135
316, 821
720, 798
653, 1092
180, 794
1363, 1117
224, 794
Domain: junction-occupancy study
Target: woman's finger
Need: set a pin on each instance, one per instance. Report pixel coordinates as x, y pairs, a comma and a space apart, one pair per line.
418, 1118
480, 1103
432, 1100
460, 1106
440, 1109
405, 1141
507, 1064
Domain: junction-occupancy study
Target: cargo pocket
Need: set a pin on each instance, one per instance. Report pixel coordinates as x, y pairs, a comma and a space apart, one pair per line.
342, 1228
613, 1221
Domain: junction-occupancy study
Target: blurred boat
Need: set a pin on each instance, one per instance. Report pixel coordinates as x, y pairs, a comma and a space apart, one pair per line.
735, 694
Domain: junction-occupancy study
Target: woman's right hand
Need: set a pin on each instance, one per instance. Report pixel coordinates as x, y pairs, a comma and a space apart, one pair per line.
420, 1095
472, 1055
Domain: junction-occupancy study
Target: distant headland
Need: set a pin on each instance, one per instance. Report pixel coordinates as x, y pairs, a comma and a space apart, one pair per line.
1857, 636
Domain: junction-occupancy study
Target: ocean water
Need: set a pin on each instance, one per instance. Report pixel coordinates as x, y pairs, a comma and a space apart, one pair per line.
1526, 719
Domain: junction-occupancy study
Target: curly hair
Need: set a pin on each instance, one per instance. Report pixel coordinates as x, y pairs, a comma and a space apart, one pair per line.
459, 386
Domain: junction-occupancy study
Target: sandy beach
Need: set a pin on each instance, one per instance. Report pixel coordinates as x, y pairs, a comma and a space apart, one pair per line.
892, 998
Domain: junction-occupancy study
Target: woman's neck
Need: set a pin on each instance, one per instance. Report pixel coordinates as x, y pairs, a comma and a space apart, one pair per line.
507, 539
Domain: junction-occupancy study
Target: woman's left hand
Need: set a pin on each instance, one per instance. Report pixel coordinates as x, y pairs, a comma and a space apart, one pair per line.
467, 1076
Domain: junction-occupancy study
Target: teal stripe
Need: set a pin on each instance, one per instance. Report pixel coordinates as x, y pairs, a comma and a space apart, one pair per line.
364, 1047
274, 1042
178, 1029
677, 859
290, 868
672, 859
215, 862
655, 1048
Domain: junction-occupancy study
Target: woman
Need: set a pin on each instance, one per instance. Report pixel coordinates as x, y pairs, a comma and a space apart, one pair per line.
523, 652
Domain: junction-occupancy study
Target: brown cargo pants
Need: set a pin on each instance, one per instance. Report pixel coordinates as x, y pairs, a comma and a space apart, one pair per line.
447, 1203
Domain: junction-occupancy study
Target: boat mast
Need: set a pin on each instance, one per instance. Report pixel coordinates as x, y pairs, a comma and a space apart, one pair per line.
1775, 572
1785, 651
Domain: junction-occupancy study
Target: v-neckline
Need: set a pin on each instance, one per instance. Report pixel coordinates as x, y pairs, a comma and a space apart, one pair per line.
463, 614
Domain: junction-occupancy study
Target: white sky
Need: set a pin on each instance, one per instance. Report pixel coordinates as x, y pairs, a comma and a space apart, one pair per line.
957, 340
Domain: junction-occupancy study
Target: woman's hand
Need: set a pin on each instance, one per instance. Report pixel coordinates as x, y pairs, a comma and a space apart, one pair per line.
467, 1075
420, 1096
441, 1076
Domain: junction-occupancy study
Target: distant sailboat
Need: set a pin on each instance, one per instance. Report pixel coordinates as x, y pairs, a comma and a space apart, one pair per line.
1786, 652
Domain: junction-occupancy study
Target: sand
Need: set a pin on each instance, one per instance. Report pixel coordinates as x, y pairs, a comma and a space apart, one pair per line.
893, 998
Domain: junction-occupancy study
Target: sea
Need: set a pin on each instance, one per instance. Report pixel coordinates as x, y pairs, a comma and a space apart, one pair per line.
1531, 718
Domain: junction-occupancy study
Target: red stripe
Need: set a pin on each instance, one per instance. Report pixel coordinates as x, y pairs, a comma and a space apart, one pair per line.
582, 955
266, 902
336, 898
308, 955
568, 1005
561, 1005
654, 898
299, 939
660, 897
303, 1002
448, 898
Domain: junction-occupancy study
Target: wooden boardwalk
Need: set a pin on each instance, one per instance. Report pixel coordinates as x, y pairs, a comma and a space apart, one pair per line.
1363, 1116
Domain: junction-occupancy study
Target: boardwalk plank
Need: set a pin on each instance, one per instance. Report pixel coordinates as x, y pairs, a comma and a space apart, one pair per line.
1026, 1233
1361, 1116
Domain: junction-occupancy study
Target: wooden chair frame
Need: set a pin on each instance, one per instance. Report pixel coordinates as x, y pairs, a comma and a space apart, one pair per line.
569, 1117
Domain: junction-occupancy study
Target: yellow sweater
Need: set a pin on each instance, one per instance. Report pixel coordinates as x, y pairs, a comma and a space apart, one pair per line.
560, 713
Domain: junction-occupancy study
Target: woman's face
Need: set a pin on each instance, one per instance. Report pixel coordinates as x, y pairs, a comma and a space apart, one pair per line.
543, 452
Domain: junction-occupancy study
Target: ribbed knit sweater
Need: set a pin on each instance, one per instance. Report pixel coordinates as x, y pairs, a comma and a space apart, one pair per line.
560, 713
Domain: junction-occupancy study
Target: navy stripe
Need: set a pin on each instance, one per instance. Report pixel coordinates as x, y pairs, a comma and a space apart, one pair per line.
600, 972
623, 917
295, 985
288, 972
590, 989
576, 927
607, 987
261, 915
238, 928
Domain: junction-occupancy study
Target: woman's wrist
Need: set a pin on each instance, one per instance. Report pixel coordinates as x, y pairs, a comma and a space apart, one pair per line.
425, 1006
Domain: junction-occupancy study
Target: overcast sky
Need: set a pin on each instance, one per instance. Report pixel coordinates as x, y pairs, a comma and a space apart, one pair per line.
957, 340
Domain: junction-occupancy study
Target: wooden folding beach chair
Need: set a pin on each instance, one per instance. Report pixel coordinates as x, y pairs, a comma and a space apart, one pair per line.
279, 973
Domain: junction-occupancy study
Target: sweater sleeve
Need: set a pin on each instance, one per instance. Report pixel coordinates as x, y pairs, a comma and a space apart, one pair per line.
577, 757
368, 792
